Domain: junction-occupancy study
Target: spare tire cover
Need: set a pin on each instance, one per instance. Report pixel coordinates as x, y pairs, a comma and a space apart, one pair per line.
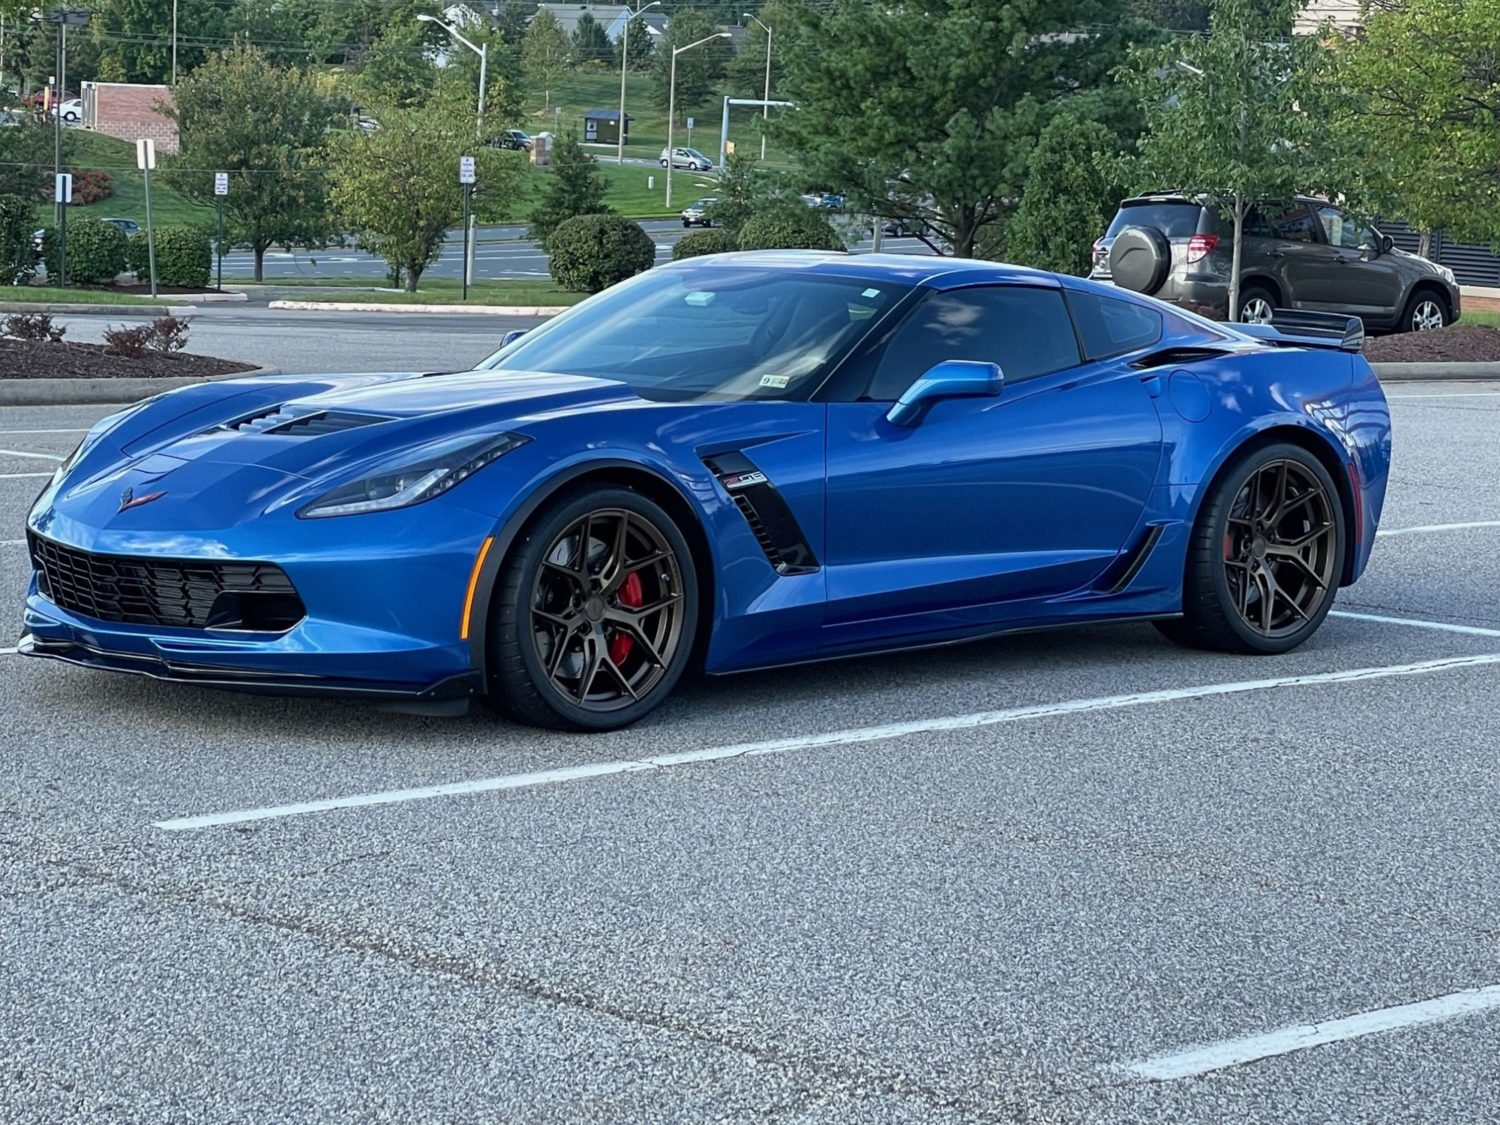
1139, 259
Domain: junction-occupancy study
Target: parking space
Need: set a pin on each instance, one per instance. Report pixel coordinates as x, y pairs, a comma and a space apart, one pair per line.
973, 884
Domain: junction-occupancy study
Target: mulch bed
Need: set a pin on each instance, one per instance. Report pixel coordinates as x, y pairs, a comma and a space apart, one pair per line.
1459, 343
27, 359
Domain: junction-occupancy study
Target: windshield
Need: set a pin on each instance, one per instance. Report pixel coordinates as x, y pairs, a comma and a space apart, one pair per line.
1175, 220
686, 333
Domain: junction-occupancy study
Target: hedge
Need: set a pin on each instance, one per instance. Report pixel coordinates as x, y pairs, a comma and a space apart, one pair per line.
96, 251
592, 252
17, 251
715, 240
184, 257
788, 228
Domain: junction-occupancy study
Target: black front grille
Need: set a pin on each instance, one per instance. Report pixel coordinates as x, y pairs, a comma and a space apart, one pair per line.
182, 593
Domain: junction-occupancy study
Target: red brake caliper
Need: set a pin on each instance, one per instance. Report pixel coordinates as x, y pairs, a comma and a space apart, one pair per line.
621, 643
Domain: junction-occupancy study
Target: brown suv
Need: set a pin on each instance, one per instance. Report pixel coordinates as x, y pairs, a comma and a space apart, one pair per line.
1305, 254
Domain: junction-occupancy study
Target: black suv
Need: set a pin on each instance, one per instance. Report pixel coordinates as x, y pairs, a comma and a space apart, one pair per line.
1305, 254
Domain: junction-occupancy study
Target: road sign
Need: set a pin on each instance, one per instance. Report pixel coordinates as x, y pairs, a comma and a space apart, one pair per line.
690, 122
466, 169
145, 154
64, 188
221, 183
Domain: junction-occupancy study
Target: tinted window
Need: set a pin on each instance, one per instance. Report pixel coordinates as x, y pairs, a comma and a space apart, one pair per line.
1111, 327
1293, 222
1341, 230
1026, 331
1175, 220
706, 332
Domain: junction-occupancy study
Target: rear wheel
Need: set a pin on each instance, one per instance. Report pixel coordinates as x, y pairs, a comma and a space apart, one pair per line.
1424, 313
1265, 557
1256, 305
595, 614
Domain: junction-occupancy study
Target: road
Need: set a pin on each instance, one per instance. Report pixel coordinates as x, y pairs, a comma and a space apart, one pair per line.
1013, 916
499, 252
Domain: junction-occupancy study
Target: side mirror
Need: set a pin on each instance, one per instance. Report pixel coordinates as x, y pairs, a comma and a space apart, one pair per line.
952, 378
1385, 242
511, 337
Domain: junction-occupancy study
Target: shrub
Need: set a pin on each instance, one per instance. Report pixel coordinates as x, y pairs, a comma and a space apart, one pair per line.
715, 240
33, 326
592, 252
168, 334
17, 251
128, 342
96, 251
90, 186
184, 257
1073, 182
788, 228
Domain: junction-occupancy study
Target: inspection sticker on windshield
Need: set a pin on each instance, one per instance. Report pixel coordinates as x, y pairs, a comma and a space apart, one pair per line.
870, 293
777, 381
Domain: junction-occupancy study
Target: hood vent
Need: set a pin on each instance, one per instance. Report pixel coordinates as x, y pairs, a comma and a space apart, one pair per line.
279, 421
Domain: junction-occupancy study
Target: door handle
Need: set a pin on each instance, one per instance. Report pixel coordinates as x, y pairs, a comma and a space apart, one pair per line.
1274, 254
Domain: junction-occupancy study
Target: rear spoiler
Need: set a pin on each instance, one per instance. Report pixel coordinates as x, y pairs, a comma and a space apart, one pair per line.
1295, 328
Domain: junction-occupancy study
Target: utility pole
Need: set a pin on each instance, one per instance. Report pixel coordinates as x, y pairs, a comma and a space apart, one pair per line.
765, 113
672, 102
64, 18
624, 56
174, 42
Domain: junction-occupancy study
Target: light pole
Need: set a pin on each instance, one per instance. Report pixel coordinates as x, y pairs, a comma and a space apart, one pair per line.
64, 18
624, 54
174, 42
484, 56
672, 101
765, 113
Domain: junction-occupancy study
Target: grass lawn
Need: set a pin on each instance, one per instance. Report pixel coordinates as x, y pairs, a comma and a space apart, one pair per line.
95, 151
1480, 319
438, 291
628, 191
40, 294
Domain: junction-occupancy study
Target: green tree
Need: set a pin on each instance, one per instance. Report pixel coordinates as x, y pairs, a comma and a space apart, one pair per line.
398, 70
131, 40
264, 125
398, 186
746, 71
1421, 128
642, 45
1073, 183
927, 110
698, 70
26, 154
745, 189
591, 42
544, 55
1235, 115
574, 187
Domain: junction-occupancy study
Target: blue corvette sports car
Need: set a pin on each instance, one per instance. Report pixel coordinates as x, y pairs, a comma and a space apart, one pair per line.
731, 462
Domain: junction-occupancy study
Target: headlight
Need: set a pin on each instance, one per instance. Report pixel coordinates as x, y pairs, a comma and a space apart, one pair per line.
91, 439
431, 473
1446, 274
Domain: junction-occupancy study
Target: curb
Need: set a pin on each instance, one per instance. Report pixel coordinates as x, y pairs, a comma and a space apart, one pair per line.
94, 392
358, 306
99, 310
1418, 372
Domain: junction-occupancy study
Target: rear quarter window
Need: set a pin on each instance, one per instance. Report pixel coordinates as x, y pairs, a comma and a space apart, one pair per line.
1109, 327
1175, 220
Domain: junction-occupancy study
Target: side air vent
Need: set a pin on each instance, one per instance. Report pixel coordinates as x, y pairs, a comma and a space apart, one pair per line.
279, 421
765, 510
1122, 572
1175, 357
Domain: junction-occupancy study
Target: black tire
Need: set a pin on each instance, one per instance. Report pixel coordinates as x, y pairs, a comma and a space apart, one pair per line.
1140, 259
529, 615
686, 224
1227, 603
1256, 300
1418, 316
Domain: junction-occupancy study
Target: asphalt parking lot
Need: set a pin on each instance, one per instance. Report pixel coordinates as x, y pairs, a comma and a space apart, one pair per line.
1061, 877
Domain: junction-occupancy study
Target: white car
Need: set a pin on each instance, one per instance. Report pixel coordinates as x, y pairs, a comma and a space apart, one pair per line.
689, 158
71, 111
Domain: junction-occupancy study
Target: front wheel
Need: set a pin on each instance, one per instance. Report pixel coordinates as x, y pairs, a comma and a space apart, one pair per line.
595, 614
1424, 313
1266, 555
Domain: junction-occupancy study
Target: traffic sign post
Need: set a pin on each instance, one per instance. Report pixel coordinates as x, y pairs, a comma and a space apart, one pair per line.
221, 189
466, 178
145, 160
63, 195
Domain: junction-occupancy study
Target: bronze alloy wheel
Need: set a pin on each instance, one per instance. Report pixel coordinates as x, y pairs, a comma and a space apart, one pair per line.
1281, 548
607, 609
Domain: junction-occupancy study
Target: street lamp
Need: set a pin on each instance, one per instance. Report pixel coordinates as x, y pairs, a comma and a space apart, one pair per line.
484, 55
624, 53
765, 110
64, 18
672, 101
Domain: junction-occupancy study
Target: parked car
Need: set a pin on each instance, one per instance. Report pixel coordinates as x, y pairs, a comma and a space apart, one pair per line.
513, 140
1304, 254
696, 212
828, 200
129, 226
71, 111
689, 158
598, 506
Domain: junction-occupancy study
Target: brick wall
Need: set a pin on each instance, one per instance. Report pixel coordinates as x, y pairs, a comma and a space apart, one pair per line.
130, 112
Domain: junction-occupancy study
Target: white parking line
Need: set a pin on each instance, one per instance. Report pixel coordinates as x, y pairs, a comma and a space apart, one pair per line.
818, 741
1299, 1037
1438, 527
36, 456
1464, 394
22, 476
1417, 623
11, 542
11, 433
7, 651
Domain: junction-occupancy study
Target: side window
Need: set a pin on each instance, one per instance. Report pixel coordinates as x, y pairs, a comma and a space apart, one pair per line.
1343, 231
1294, 223
1110, 327
1256, 225
1026, 331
